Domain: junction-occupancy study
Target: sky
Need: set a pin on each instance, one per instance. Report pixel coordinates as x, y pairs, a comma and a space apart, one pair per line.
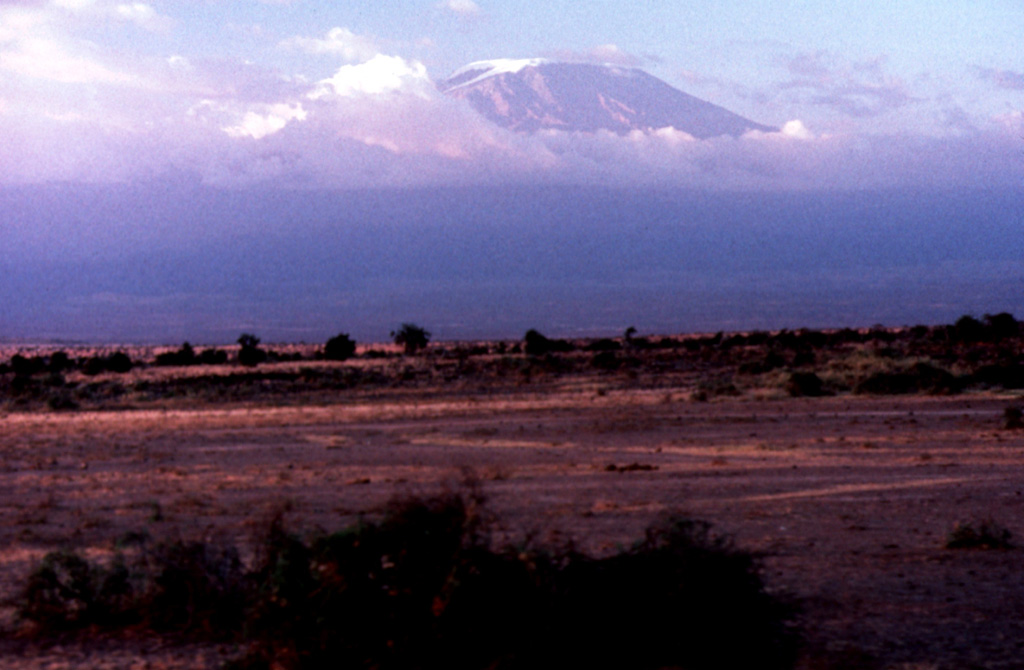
337, 95
157, 158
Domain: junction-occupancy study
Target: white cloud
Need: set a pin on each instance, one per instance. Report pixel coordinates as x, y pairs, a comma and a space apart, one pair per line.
142, 15
797, 130
268, 120
43, 58
379, 75
338, 41
466, 8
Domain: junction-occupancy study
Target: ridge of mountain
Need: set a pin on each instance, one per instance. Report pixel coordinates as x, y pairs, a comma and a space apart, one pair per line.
533, 94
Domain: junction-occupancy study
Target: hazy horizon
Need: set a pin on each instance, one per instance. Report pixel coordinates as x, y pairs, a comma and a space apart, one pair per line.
177, 261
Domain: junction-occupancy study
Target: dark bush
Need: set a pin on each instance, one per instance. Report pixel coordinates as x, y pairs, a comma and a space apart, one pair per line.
603, 345
425, 588
606, 360
712, 387
1013, 418
807, 384
213, 357
186, 355
771, 361
118, 362
194, 587
339, 348
918, 378
66, 592
969, 329
984, 534
536, 344
1009, 376
1001, 326
59, 362
26, 367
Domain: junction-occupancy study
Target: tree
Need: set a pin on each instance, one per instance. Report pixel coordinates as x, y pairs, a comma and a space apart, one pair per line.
535, 344
249, 352
1002, 326
339, 347
412, 337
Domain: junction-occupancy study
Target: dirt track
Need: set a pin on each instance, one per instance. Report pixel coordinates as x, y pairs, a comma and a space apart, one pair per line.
850, 498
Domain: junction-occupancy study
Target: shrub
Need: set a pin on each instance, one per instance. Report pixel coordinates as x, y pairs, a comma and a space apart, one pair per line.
918, 378
59, 362
191, 587
1007, 376
804, 384
118, 362
186, 355
195, 587
604, 344
713, 387
536, 344
339, 348
968, 329
66, 592
1002, 326
606, 360
1013, 418
26, 367
213, 357
984, 534
425, 588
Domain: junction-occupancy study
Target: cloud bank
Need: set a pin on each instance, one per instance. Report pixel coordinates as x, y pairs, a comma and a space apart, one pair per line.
73, 111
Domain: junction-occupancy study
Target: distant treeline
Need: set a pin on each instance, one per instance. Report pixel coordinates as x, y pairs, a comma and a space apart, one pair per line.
972, 352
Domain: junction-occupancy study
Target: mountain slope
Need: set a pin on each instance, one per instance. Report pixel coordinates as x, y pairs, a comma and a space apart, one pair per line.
536, 94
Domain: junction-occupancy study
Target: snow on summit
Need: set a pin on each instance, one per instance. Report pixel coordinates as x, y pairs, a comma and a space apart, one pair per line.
468, 75
532, 94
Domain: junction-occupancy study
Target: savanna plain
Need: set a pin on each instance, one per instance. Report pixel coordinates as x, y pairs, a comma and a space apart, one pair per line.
868, 484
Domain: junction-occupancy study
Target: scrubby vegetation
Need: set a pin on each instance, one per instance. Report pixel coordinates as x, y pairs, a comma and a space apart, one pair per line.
981, 534
426, 587
971, 354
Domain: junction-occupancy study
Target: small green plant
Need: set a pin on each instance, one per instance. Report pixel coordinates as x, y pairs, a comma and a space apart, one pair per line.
983, 534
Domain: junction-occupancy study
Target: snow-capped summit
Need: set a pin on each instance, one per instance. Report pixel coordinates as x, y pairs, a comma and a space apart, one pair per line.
532, 94
468, 75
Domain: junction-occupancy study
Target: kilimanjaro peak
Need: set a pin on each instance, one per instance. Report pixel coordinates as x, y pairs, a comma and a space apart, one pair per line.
538, 94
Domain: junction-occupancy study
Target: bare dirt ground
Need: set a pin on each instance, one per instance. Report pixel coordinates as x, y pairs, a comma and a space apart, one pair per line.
850, 498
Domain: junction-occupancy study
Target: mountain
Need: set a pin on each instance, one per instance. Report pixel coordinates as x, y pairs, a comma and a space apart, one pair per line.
536, 94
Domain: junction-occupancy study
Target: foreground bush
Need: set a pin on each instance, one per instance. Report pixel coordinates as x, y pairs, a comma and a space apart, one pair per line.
423, 588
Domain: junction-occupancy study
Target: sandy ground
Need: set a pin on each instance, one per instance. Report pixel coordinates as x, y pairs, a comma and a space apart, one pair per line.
850, 499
